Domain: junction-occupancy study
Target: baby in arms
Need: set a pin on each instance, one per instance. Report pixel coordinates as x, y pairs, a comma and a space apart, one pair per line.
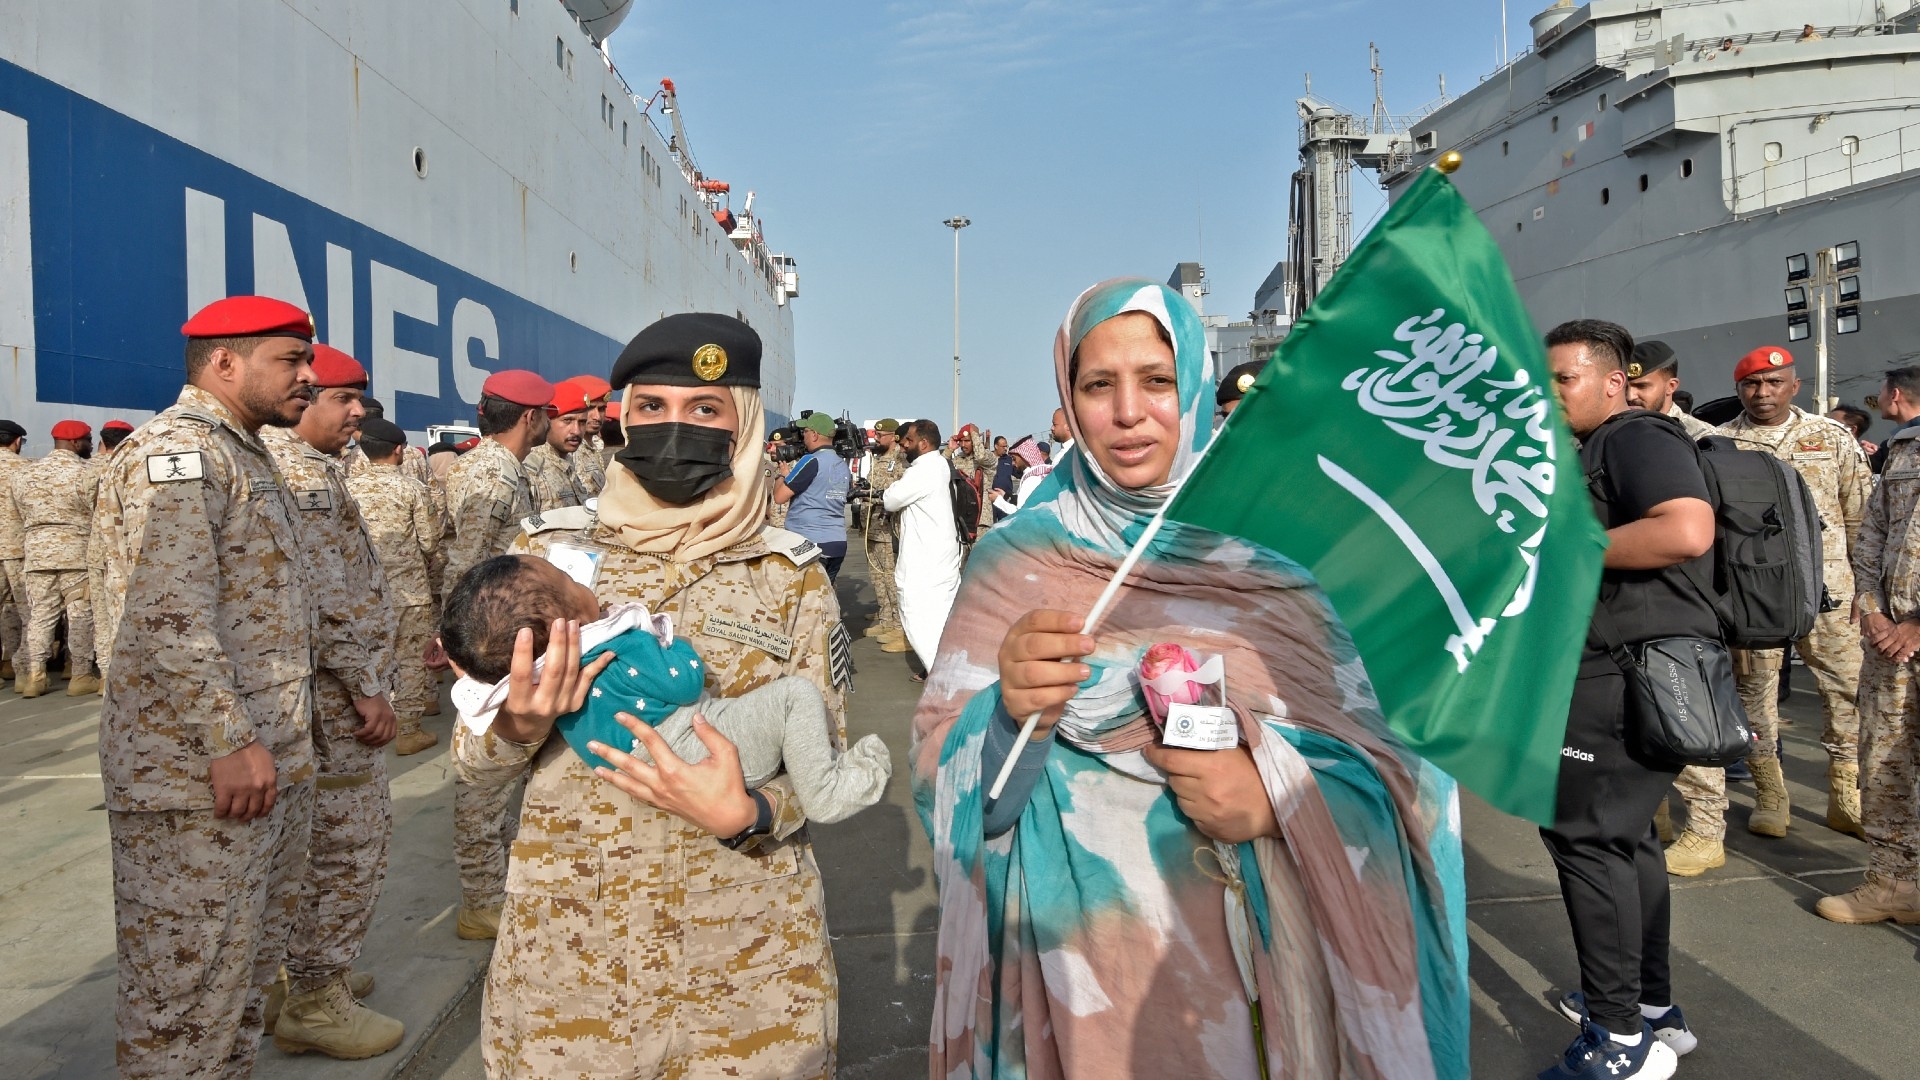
656, 677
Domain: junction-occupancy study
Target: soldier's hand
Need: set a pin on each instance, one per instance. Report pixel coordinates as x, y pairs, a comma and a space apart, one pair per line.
710, 794
243, 783
436, 655
1038, 672
1902, 642
531, 708
377, 721
1876, 628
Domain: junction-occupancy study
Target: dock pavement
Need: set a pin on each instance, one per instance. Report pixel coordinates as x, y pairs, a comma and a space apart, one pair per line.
1770, 988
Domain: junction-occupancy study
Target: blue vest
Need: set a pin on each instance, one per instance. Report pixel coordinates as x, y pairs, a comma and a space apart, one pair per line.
820, 512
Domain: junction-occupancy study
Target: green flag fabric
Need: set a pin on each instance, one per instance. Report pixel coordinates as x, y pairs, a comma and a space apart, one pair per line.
1405, 446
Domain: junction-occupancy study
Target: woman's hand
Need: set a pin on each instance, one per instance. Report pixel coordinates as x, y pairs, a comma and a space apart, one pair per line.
531, 709
1220, 790
710, 794
1038, 672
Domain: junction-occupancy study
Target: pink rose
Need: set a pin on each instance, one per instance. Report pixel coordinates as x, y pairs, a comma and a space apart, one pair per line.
1160, 660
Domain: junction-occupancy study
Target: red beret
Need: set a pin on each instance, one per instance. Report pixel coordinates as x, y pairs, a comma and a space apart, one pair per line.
593, 387
1764, 358
116, 425
249, 316
331, 367
71, 429
568, 397
518, 386
465, 445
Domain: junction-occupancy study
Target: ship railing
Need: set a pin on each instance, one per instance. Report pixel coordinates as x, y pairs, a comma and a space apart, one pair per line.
1855, 160
1700, 48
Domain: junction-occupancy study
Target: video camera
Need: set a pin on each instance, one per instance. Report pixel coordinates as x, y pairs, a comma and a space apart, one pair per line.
849, 440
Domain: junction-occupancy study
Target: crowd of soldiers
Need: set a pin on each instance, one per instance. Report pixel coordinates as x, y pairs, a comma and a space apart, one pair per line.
267, 549
1860, 647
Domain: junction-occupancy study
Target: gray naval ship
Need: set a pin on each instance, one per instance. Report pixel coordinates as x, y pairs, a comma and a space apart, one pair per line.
1718, 174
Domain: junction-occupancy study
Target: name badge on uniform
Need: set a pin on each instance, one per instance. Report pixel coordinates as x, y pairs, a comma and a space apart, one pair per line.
778, 646
262, 487
170, 468
313, 498
580, 564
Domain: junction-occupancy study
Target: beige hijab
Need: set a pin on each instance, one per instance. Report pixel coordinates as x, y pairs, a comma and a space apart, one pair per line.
733, 511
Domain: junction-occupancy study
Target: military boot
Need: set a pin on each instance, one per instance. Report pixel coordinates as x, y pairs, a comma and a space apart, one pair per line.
433, 707
1772, 809
35, 683
1843, 799
331, 1021
359, 984
6, 669
477, 924
1663, 822
895, 644
1693, 855
1877, 899
82, 685
413, 738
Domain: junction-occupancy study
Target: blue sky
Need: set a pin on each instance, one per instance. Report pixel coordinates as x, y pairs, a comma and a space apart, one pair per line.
1086, 140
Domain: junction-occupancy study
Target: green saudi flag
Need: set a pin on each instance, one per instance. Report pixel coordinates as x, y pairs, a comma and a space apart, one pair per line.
1405, 446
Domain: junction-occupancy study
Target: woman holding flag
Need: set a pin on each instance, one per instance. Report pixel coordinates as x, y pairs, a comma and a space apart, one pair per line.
1290, 907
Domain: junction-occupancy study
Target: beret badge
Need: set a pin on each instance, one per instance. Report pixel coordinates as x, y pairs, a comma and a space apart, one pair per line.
1633, 371
1244, 382
709, 362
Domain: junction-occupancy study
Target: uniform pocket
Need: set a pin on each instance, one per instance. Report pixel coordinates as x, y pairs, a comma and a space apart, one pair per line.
749, 915
554, 979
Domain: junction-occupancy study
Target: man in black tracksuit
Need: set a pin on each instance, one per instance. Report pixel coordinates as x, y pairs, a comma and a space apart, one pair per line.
1651, 497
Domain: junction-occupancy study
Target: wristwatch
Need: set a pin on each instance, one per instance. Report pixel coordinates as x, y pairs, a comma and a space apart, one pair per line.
762, 823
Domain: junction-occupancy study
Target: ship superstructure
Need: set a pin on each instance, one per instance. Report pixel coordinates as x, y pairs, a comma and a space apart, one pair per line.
450, 186
1673, 166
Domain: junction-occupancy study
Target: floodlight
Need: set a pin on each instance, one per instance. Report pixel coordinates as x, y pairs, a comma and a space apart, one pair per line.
1850, 288
1846, 320
1846, 256
1798, 269
1799, 328
1796, 298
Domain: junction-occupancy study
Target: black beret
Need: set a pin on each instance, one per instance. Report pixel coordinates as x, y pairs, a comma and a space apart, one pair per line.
692, 349
9, 431
1234, 386
380, 429
1649, 357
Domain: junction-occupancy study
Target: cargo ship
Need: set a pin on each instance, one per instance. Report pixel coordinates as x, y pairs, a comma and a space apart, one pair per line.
451, 187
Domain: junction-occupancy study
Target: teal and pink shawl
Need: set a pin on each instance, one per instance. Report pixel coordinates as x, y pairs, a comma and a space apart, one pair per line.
1098, 937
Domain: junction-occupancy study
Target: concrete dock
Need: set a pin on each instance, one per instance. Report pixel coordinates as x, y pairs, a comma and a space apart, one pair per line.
1771, 989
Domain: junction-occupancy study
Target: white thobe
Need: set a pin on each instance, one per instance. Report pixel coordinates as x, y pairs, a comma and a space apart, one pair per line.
927, 560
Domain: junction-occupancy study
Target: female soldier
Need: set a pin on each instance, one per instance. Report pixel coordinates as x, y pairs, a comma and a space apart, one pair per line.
664, 921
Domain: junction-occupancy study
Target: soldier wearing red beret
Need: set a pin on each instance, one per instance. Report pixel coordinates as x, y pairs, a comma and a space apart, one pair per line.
205, 749
590, 460
487, 496
551, 475
317, 1007
113, 433
53, 498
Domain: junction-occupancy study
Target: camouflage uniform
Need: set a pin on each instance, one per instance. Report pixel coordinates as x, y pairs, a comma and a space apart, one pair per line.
887, 468
633, 943
406, 537
1826, 455
487, 495
552, 480
210, 631
1886, 565
353, 646
412, 463
54, 497
590, 465
13, 552
1694, 428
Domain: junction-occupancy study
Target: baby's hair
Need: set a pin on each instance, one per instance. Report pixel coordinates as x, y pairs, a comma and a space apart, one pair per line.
487, 609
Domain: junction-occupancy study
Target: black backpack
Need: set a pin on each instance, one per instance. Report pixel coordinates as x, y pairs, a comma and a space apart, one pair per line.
966, 508
1767, 586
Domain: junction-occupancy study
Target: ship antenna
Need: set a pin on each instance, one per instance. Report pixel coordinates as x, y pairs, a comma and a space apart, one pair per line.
1379, 95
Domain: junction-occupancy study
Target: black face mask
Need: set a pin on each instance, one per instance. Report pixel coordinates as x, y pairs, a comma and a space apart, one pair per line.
677, 462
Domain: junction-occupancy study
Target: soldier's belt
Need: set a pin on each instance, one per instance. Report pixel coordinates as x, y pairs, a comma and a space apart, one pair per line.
335, 783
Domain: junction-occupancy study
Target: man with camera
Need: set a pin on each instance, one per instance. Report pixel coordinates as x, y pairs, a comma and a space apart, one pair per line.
1651, 496
815, 490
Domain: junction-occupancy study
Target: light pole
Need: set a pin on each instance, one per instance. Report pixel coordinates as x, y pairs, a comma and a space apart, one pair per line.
956, 224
